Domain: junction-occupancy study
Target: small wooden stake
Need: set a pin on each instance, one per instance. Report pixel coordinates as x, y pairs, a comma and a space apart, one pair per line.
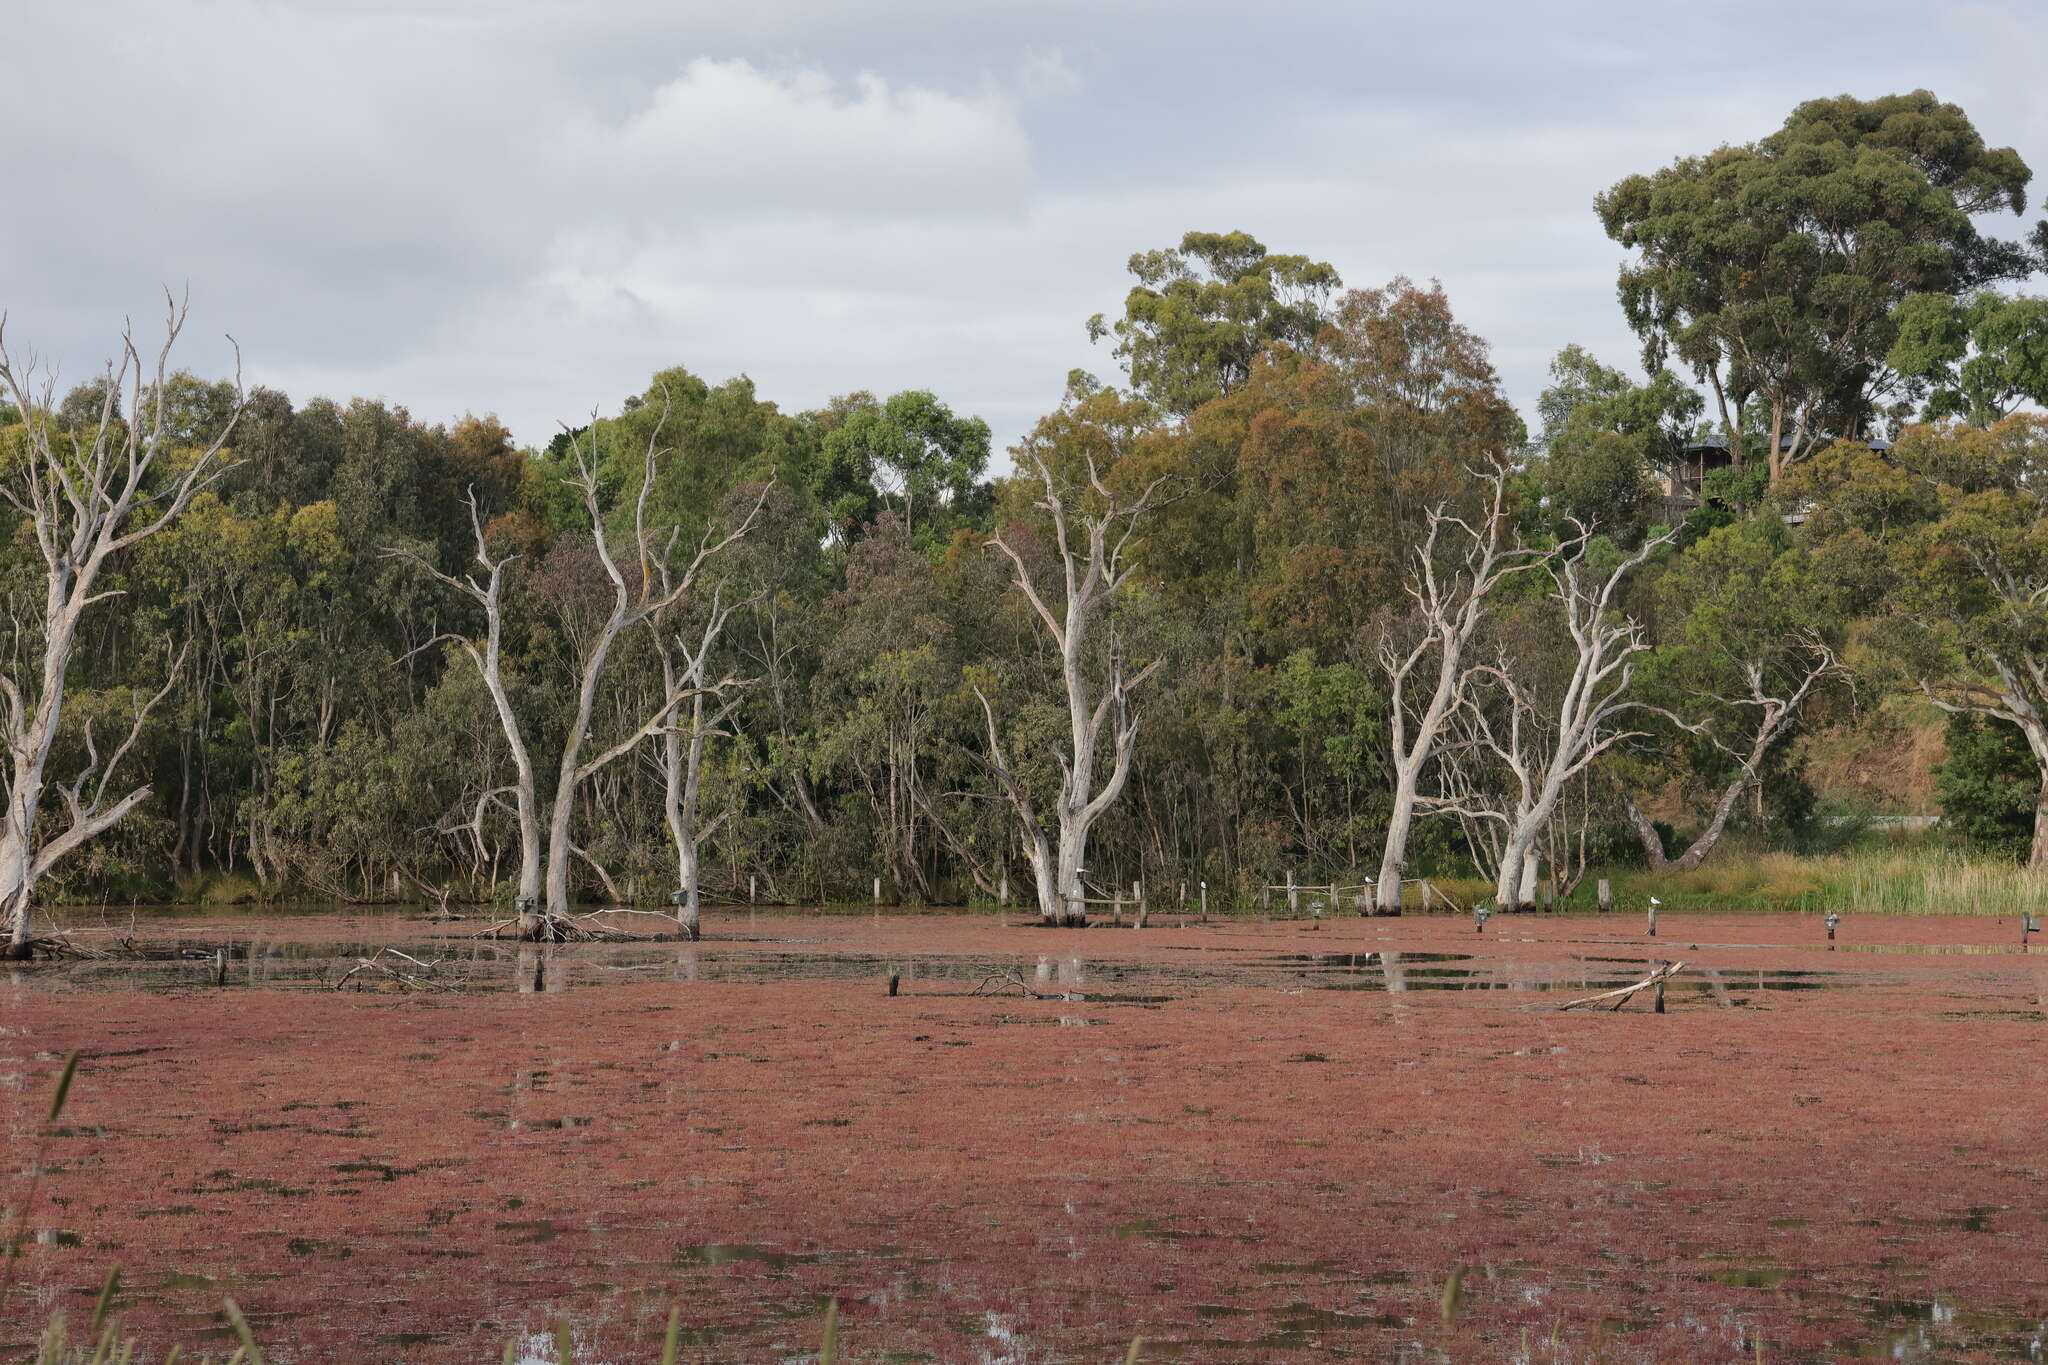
1606, 895
878, 891
895, 980
1205, 902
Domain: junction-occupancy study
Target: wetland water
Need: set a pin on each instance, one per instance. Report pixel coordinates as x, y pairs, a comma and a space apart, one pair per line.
1245, 1140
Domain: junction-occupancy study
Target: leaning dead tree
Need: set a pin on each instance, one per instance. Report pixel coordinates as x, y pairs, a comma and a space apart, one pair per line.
1542, 731
87, 490
544, 862
1092, 527
1457, 568
1774, 711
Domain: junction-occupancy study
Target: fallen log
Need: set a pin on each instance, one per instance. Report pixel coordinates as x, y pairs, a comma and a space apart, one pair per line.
1621, 995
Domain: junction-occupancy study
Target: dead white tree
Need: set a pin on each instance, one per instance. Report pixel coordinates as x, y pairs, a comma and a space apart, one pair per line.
543, 892
1776, 711
1450, 584
1092, 527
1542, 742
88, 490
685, 664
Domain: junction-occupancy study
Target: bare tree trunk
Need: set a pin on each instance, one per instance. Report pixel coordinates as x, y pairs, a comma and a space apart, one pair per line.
1450, 601
1091, 576
87, 494
544, 886
1775, 717
1696, 852
2037, 857
1545, 743
682, 765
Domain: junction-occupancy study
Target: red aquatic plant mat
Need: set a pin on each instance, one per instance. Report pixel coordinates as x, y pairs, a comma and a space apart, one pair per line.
1258, 1172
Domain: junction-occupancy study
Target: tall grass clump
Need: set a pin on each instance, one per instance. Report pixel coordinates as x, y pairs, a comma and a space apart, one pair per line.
1939, 882
1904, 879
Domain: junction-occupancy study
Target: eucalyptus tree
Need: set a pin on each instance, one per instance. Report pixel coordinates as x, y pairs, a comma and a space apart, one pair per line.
706, 712
911, 455
1068, 464
1541, 723
87, 489
685, 670
1980, 357
640, 589
1456, 571
1202, 313
1774, 270
884, 676
1749, 644
1944, 542
1604, 437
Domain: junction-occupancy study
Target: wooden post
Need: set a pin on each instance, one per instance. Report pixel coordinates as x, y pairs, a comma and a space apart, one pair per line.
1653, 920
753, 885
1293, 895
220, 966
1661, 965
1425, 895
1003, 890
1116, 906
895, 980
878, 891
1138, 896
1606, 895
1205, 902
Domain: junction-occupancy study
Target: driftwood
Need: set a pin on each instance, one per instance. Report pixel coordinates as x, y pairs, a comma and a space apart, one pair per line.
1621, 995
1001, 979
582, 928
405, 981
60, 946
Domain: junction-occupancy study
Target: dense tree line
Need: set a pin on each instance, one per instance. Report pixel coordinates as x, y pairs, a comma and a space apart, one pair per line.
1298, 590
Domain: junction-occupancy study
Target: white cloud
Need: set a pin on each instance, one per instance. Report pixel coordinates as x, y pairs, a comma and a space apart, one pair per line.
725, 139
530, 205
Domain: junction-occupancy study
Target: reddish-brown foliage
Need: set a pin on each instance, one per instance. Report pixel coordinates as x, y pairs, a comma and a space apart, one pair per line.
1247, 1173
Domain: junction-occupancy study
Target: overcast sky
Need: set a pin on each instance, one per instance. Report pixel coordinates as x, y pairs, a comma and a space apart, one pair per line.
528, 206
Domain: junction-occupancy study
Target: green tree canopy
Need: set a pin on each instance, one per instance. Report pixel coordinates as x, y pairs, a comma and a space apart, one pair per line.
1773, 270
910, 455
1202, 312
1979, 356
1604, 435
1946, 540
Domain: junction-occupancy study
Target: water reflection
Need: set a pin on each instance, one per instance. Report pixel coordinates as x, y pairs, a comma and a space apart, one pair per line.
528, 969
